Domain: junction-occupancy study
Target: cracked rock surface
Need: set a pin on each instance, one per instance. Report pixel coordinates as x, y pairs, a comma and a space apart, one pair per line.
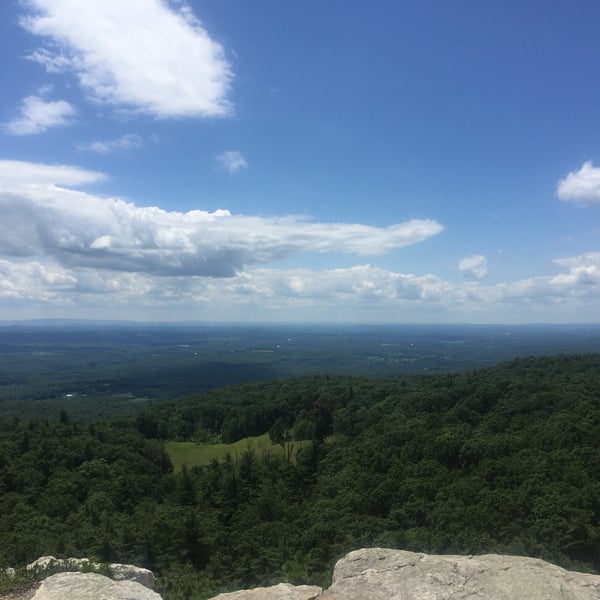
91, 586
380, 574
282, 591
371, 574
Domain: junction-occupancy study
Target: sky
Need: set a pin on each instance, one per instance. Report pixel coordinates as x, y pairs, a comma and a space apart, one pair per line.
318, 161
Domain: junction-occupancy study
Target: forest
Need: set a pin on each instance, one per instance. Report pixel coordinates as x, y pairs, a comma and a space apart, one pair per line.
96, 370
502, 459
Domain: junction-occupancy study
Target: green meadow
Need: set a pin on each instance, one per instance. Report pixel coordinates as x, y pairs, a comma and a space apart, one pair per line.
193, 454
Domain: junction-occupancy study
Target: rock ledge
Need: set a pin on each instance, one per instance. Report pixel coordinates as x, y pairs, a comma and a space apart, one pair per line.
381, 574
78, 579
118, 571
372, 573
91, 586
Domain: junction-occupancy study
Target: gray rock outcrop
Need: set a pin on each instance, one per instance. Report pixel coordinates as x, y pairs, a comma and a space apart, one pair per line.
118, 571
51, 562
282, 591
381, 574
369, 574
91, 586
132, 573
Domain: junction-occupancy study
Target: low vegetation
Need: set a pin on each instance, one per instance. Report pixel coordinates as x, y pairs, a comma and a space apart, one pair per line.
504, 459
195, 454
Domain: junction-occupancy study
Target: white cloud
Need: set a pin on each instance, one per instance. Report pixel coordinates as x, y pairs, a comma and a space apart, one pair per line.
138, 54
581, 186
125, 142
37, 115
34, 281
78, 229
232, 161
15, 174
363, 292
583, 260
583, 270
53, 63
362, 282
473, 267
65, 250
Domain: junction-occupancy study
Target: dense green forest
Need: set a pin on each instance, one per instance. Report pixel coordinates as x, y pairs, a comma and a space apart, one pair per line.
504, 459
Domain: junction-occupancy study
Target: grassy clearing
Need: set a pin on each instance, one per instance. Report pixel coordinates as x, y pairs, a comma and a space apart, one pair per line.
191, 454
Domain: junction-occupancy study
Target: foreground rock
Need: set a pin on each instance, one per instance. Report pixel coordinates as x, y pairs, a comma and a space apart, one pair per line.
370, 574
127, 582
282, 591
91, 586
380, 574
118, 571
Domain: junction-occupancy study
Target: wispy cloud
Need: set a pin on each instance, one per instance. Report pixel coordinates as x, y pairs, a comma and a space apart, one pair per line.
82, 230
125, 142
38, 115
16, 174
231, 160
141, 56
473, 267
581, 186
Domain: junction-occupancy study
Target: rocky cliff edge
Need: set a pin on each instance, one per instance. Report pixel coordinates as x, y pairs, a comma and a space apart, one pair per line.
373, 573
380, 574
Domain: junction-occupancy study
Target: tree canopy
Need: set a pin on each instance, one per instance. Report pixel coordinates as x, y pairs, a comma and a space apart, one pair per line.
505, 459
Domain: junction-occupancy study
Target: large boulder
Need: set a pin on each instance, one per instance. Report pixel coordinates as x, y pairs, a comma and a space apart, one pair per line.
379, 574
282, 591
118, 571
370, 574
91, 586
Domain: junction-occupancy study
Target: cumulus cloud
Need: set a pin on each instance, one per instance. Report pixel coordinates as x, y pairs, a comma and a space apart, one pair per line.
583, 260
79, 229
363, 284
581, 186
583, 270
125, 142
38, 115
34, 281
140, 55
362, 292
473, 267
231, 160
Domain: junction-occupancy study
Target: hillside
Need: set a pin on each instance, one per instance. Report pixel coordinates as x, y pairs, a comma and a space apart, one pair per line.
503, 460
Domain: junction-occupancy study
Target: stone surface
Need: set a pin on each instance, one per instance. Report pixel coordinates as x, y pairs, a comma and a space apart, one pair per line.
282, 591
44, 562
370, 574
380, 574
91, 586
132, 573
119, 572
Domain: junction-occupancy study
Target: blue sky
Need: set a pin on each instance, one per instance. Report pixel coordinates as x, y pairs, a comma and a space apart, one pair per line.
306, 161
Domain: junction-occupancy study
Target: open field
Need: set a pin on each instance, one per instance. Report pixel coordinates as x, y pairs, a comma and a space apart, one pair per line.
192, 454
